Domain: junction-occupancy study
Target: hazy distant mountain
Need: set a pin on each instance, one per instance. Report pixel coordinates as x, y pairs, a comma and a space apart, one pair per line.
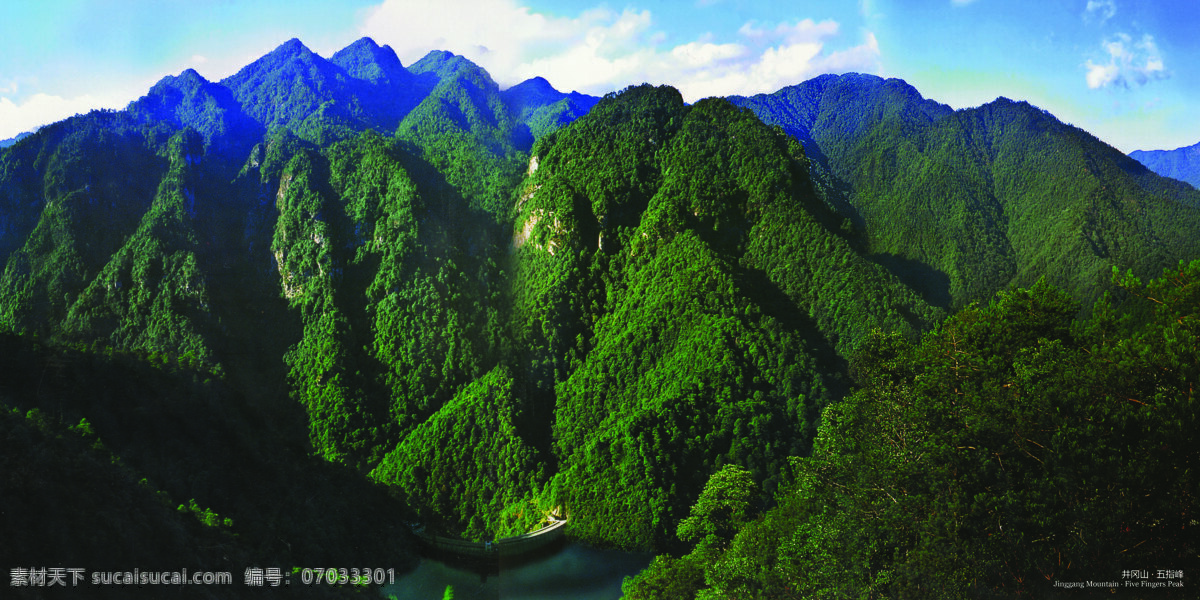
543, 108
1181, 163
12, 140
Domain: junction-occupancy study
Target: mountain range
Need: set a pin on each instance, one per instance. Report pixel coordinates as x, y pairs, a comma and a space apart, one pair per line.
964, 203
1181, 163
471, 306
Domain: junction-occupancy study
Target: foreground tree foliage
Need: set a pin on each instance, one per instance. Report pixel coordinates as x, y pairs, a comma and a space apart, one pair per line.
113, 462
1009, 449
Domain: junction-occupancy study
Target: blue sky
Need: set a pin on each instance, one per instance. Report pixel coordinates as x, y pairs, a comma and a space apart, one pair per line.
1125, 70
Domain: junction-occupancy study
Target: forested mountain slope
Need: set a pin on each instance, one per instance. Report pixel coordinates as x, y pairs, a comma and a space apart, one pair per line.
111, 168
113, 462
261, 233
679, 286
1014, 448
963, 203
410, 295
1181, 163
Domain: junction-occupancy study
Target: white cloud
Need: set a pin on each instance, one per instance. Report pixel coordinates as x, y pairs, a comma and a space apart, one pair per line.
601, 50
697, 54
801, 32
1129, 63
1099, 76
1100, 10
499, 35
41, 109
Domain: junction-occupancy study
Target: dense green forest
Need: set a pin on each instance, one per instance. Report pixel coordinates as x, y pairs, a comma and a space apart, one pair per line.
838, 341
962, 204
114, 460
1011, 447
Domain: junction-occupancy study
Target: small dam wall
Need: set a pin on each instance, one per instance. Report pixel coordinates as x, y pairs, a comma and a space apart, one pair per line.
501, 548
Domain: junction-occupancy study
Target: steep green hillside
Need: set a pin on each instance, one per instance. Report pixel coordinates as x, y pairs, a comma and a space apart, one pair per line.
289, 84
152, 294
467, 132
113, 462
397, 310
961, 204
73, 193
328, 292
189, 100
468, 467
1011, 450
678, 286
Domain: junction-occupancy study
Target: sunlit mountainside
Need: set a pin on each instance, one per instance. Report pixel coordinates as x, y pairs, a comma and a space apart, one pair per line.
835, 341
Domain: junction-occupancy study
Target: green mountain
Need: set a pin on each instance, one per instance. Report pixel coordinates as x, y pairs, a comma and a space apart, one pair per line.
679, 295
73, 192
189, 100
962, 204
544, 109
1181, 163
289, 84
326, 292
467, 132
1013, 448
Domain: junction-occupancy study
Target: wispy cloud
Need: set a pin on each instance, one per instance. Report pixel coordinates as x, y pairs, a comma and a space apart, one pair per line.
961, 2
600, 50
1099, 11
1129, 63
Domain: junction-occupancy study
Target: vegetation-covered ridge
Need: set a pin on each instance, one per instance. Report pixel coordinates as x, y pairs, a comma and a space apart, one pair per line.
1010, 450
680, 297
760, 348
962, 204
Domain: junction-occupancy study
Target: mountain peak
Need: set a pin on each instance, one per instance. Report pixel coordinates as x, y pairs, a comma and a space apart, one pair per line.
291, 47
364, 42
531, 93
536, 86
1022, 107
364, 59
538, 83
434, 61
289, 83
187, 81
1182, 163
364, 48
447, 65
190, 75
